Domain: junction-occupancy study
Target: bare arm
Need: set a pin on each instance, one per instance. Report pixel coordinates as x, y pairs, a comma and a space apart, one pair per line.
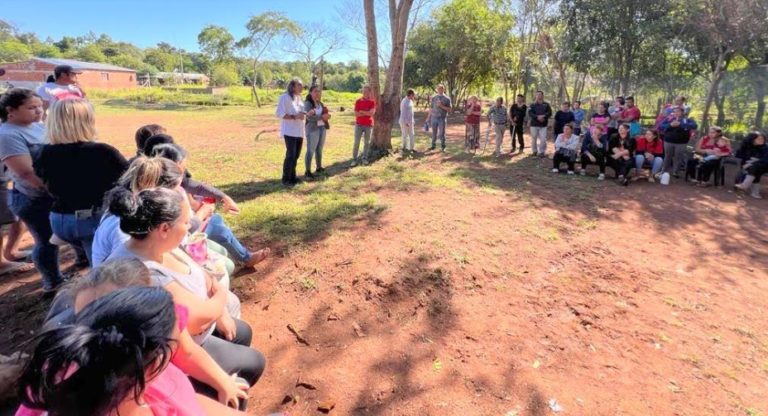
195, 362
202, 313
22, 166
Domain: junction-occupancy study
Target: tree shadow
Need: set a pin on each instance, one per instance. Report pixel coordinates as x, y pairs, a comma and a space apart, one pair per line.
244, 191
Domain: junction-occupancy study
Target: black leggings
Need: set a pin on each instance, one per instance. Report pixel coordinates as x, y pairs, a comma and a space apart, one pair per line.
560, 158
599, 161
705, 168
234, 356
758, 169
292, 153
620, 166
516, 131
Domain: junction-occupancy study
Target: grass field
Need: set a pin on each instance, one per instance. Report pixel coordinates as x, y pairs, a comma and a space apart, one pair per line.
446, 284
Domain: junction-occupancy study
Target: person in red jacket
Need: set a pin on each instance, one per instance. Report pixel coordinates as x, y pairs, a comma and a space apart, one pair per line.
365, 108
649, 148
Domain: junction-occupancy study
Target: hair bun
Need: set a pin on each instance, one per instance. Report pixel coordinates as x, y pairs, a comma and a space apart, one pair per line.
123, 202
111, 336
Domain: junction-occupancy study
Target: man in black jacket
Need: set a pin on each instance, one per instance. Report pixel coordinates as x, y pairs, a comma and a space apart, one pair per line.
539, 112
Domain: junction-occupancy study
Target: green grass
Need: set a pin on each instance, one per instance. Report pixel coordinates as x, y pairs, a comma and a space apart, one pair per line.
176, 96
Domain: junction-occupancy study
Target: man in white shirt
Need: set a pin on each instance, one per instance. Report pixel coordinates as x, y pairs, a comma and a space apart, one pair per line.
64, 87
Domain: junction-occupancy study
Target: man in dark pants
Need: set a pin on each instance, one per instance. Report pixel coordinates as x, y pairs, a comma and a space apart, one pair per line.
517, 114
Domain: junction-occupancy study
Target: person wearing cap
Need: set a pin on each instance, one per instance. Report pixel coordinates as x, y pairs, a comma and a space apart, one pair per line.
64, 86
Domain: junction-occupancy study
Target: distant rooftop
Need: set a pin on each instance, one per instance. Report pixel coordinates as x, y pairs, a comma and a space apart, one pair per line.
80, 65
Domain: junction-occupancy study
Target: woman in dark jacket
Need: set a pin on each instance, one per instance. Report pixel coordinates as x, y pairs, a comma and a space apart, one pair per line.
594, 149
754, 156
620, 153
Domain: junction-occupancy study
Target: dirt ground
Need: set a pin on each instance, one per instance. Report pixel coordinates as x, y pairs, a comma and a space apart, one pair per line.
524, 293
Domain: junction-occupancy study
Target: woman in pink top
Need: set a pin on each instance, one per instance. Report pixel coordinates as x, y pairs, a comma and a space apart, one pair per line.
115, 360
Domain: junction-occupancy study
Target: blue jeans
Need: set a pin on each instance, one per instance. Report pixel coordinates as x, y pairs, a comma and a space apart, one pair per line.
76, 231
315, 142
656, 165
220, 233
438, 123
34, 212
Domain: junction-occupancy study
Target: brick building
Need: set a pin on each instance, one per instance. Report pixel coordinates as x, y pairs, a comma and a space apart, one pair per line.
33, 72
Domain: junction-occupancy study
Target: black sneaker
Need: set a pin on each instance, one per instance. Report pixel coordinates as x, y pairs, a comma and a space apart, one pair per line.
309, 175
320, 170
432, 148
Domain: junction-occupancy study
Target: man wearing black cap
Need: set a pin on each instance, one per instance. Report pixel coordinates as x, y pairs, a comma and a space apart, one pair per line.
63, 88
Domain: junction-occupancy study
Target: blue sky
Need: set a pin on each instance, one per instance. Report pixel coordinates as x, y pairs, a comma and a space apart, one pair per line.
176, 22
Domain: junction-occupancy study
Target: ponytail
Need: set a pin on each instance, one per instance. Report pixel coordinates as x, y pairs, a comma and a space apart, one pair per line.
118, 343
147, 172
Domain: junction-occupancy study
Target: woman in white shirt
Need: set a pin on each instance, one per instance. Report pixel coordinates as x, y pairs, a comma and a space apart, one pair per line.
290, 110
406, 121
566, 147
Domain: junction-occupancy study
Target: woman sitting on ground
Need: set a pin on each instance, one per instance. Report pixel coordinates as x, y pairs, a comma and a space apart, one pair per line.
114, 359
145, 173
594, 150
708, 155
77, 171
157, 220
754, 156
209, 222
620, 153
191, 358
649, 149
190, 185
566, 148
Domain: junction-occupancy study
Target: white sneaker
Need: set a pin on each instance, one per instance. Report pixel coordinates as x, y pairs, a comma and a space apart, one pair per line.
570, 172
621, 177
555, 170
583, 172
601, 177
651, 180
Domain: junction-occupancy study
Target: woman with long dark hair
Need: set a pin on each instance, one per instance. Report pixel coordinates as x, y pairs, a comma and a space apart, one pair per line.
317, 123
114, 359
22, 135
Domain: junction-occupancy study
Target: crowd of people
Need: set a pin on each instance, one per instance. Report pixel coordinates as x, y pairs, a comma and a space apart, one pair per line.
612, 137
154, 323
152, 327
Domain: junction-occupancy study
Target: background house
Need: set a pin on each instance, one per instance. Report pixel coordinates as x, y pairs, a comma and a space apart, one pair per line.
33, 72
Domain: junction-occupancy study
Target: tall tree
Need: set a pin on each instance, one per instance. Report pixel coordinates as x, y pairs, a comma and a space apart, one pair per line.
462, 46
313, 41
716, 31
216, 43
388, 103
262, 30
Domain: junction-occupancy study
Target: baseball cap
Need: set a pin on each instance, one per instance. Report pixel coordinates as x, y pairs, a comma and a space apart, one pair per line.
65, 69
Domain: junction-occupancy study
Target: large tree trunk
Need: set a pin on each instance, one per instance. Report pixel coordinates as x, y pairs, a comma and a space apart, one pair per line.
388, 105
718, 69
253, 84
759, 81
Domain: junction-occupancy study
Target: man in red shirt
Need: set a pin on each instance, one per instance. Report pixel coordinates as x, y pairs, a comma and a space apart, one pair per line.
365, 108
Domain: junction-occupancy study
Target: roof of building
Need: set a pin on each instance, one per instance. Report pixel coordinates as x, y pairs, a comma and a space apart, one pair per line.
80, 65
187, 75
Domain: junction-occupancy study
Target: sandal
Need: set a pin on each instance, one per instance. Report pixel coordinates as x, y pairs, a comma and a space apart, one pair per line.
258, 257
